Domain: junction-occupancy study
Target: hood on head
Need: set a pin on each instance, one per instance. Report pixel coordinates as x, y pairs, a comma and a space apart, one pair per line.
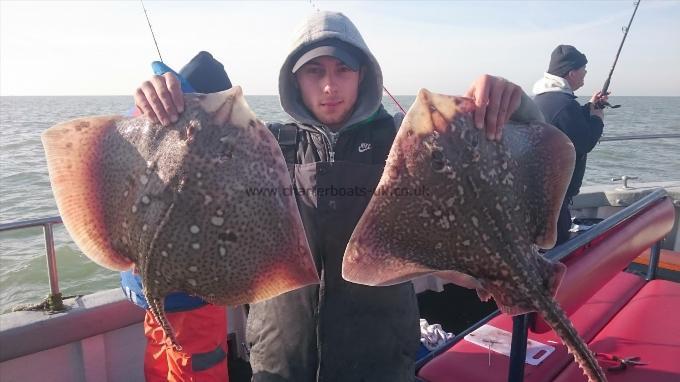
318, 27
551, 83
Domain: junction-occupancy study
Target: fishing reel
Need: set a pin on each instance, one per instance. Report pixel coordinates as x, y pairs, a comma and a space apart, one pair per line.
600, 103
603, 105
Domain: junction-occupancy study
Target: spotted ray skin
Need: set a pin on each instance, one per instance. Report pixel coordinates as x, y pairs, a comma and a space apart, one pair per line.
177, 203
487, 209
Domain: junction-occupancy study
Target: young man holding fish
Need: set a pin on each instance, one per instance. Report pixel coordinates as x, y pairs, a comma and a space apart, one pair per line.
331, 85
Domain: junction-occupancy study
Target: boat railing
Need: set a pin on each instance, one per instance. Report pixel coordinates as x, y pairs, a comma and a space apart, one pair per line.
521, 322
54, 300
615, 138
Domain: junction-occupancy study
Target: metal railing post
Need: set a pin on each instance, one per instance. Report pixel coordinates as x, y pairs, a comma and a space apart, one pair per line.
54, 299
654, 257
518, 347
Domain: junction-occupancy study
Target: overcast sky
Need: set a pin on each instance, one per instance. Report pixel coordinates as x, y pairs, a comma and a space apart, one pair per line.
102, 48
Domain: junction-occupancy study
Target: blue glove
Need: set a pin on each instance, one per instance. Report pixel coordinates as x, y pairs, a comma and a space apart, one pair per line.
174, 302
160, 68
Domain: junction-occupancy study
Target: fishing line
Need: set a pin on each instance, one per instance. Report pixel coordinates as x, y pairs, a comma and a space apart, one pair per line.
151, 29
311, 3
394, 100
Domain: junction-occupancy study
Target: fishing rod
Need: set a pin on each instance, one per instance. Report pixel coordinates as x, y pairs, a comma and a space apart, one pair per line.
602, 105
151, 29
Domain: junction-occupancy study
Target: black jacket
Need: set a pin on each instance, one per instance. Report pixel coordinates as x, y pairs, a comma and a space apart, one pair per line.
336, 331
562, 111
358, 144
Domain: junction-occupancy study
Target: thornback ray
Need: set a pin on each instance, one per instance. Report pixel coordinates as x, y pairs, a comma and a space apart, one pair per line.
487, 208
193, 207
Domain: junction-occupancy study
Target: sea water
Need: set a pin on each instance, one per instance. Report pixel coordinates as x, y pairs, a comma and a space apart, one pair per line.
25, 189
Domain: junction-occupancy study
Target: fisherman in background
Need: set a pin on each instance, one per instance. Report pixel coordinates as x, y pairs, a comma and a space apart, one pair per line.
554, 96
331, 85
200, 327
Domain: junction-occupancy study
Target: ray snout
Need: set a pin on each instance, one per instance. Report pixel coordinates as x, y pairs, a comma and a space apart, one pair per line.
435, 112
228, 106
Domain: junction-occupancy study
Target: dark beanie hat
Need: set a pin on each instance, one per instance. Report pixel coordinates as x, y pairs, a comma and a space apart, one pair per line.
206, 74
565, 58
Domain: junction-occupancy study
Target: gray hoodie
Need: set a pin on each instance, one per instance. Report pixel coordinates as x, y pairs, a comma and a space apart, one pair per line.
320, 26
